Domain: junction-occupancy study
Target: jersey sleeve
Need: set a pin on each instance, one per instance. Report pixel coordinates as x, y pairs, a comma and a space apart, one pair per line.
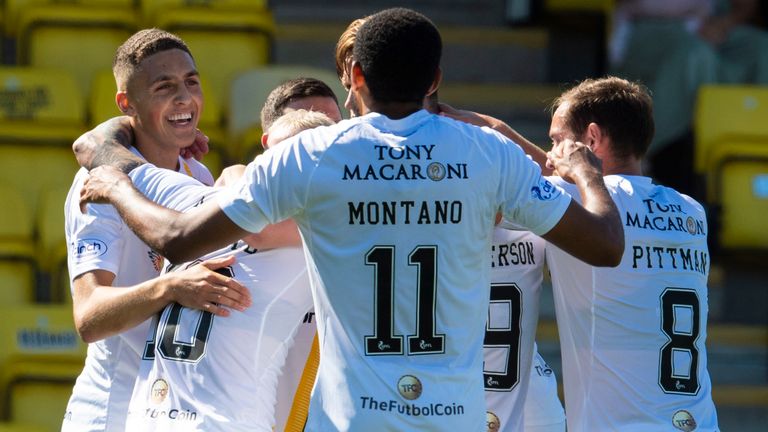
96, 240
530, 200
273, 188
170, 189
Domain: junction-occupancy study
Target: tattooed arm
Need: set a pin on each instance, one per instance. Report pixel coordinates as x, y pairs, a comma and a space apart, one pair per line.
108, 144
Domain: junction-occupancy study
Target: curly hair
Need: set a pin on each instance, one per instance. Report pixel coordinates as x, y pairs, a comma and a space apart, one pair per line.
399, 52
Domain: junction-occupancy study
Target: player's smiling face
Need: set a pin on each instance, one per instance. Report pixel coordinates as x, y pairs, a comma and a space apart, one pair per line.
167, 100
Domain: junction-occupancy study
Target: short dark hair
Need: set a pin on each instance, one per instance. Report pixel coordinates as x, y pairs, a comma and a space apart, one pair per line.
399, 52
289, 91
141, 45
623, 110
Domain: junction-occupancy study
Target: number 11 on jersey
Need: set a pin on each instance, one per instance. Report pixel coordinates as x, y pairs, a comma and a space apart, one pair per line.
384, 341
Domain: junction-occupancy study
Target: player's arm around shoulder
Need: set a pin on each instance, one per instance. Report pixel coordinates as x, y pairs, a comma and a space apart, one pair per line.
102, 310
591, 231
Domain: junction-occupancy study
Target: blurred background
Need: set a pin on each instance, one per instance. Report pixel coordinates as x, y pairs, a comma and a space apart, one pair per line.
508, 58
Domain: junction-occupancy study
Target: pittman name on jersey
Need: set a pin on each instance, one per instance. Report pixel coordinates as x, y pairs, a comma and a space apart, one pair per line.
405, 163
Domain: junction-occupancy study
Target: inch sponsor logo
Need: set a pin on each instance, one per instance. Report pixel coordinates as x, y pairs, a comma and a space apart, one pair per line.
544, 191
88, 248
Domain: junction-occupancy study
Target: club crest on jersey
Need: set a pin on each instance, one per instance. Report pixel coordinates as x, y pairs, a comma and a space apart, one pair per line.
159, 391
690, 225
436, 171
684, 421
157, 260
409, 387
88, 248
544, 191
493, 422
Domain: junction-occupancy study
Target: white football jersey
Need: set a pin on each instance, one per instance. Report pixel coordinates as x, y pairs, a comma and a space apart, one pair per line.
517, 265
543, 410
291, 382
206, 373
100, 240
633, 337
396, 217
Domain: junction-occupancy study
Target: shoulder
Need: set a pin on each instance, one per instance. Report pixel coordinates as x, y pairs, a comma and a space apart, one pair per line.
196, 169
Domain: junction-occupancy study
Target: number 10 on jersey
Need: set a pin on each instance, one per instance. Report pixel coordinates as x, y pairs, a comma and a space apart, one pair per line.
384, 341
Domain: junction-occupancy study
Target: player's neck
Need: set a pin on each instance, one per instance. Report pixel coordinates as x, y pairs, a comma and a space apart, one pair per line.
628, 166
394, 110
162, 157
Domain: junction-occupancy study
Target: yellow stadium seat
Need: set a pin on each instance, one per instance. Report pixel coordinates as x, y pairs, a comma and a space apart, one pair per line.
81, 39
248, 93
731, 150
39, 106
150, 8
40, 345
223, 42
725, 113
51, 242
13, 9
17, 256
605, 6
31, 170
20, 427
32, 385
744, 204
101, 104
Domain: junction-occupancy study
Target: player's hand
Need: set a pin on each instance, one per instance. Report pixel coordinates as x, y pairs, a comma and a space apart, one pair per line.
198, 148
573, 160
230, 175
464, 116
101, 185
202, 287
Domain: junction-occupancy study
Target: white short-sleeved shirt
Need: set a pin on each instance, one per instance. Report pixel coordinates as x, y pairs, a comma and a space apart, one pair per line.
517, 265
633, 337
543, 409
214, 374
291, 382
205, 373
396, 217
100, 240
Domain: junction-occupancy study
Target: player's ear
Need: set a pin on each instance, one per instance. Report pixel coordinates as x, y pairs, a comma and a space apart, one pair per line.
123, 104
357, 80
594, 136
264, 138
436, 83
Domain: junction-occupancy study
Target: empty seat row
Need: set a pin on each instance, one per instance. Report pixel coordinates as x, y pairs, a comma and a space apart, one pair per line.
731, 153
42, 356
44, 106
226, 37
